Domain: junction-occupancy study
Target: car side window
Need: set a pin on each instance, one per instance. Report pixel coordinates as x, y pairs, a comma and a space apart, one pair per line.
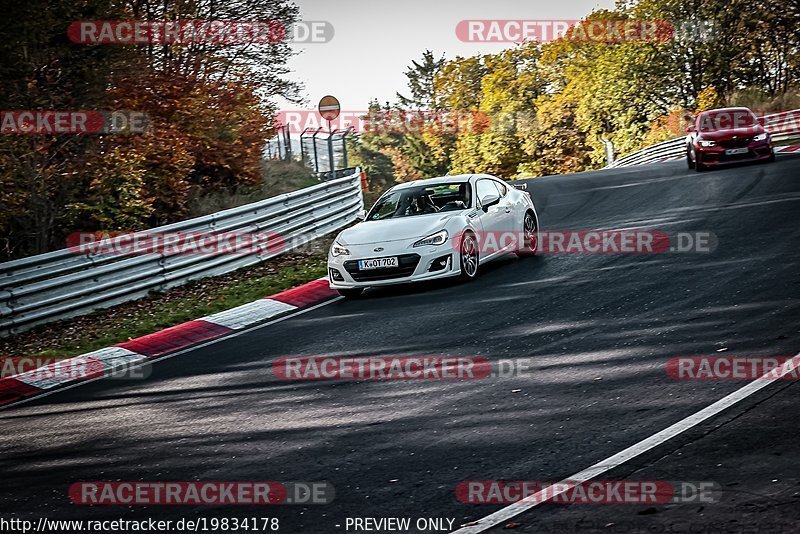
501, 187
485, 187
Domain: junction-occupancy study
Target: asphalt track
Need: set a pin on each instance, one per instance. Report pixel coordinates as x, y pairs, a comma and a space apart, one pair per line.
598, 330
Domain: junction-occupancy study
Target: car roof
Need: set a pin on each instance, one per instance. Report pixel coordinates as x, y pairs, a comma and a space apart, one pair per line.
455, 179
725, 110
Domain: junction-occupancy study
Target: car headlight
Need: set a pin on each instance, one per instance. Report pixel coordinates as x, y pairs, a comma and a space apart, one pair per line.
761, 137
704, 142
339, 250
439, 238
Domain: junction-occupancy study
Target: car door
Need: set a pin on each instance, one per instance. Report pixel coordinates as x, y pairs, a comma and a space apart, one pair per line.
494, 219
507, 201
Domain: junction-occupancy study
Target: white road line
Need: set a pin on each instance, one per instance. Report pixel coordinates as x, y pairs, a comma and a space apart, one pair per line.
236, 333
546, 494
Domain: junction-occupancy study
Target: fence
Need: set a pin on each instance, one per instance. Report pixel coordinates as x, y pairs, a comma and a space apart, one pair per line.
782, 126
324, 152
280, 146
66, 283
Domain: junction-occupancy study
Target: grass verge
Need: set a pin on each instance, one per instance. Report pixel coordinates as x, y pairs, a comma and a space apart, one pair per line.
157, 311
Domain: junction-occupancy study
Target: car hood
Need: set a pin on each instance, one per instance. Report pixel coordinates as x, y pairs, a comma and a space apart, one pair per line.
722, 135
402, 228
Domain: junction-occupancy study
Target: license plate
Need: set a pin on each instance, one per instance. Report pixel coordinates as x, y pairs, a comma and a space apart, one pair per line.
377, 263
732, 151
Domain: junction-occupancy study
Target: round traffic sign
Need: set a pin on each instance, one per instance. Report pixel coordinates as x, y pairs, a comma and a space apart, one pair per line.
329, 107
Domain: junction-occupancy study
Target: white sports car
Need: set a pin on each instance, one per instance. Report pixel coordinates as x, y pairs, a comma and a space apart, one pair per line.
433, 228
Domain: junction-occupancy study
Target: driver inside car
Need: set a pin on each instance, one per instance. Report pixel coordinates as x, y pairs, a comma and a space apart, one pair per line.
423, 204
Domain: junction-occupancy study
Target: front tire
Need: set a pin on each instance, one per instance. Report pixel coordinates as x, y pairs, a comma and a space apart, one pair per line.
351, 293
699, 167
771, 157
689, 161
469, 258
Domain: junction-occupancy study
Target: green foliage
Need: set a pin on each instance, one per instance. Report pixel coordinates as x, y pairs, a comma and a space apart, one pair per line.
529, 110
541, 109
278, 177
208, 107
421, 83
117, 197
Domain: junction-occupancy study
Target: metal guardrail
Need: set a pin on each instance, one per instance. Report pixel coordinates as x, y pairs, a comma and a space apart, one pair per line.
782, 126
70, 282
326, 176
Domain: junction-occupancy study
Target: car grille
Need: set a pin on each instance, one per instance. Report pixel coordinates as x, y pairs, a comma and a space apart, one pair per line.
736, 143
736, 157
406, 264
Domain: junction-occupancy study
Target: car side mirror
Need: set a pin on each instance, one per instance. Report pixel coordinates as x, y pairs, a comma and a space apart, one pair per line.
361, 215
489, 200
690, 128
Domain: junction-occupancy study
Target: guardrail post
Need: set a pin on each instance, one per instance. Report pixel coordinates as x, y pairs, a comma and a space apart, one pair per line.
609, 144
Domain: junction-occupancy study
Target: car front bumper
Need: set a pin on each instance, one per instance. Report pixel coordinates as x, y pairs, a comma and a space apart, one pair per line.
415, 264
715, 155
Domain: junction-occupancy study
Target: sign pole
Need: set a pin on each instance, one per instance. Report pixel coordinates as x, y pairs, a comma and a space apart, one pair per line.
330, 151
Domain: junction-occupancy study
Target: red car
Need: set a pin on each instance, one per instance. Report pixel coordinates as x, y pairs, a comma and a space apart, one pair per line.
728, 135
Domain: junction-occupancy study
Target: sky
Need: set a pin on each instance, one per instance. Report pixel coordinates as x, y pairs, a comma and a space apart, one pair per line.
376, 40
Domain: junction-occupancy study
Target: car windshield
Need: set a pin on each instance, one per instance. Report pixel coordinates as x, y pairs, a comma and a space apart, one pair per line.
725, 120
421, 200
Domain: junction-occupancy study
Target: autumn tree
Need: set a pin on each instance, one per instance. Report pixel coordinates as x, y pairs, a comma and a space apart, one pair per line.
209, 108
